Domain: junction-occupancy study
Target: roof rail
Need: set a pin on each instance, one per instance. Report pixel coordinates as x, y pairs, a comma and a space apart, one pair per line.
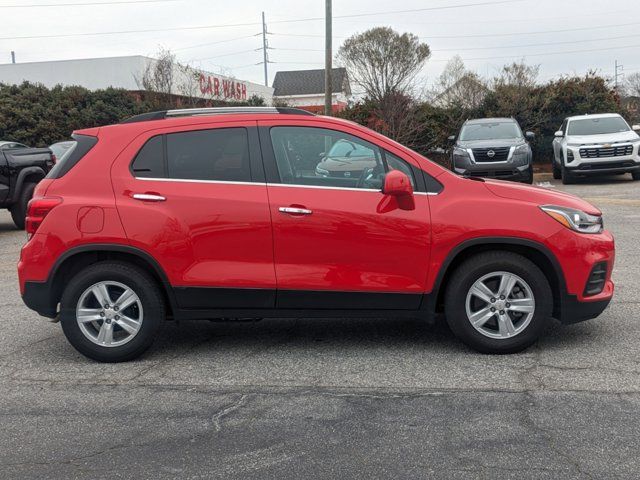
193, 112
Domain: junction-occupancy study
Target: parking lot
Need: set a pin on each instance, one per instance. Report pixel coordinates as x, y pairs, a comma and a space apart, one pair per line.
303, 398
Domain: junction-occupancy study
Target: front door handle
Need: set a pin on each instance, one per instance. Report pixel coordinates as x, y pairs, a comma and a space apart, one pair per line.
295, 211
148, 197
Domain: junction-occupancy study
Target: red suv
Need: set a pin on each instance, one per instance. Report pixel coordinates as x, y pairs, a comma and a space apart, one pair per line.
198, 214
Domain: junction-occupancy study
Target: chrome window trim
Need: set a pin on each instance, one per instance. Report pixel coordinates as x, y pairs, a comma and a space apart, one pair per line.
230, 182
192, 180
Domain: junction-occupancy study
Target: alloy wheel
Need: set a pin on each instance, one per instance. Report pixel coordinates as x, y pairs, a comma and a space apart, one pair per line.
500, 305
109, 313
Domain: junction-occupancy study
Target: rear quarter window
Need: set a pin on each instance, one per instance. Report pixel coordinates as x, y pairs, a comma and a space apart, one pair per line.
83, 144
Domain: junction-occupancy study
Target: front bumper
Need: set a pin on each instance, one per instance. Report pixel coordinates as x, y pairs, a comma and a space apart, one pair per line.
607, 167
504, 171
574, 310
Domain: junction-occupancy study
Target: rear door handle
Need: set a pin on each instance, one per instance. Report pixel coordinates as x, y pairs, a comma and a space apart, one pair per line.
295, 211
148, 197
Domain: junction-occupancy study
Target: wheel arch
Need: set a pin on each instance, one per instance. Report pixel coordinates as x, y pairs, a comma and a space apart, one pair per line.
78, 258
532, 250
26, 175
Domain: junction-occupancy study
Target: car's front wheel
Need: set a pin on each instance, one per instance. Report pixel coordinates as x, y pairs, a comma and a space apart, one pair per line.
635, 175
111, 311
498, 302
557, 174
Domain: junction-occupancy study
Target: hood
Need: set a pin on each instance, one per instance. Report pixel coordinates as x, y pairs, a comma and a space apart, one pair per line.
538, 195
510, 142
600, 139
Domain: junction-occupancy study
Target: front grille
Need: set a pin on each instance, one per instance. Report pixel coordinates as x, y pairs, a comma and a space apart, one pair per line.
606, 152
596, 281
500, 154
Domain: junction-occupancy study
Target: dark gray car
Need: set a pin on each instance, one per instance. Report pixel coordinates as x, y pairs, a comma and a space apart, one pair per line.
493, 148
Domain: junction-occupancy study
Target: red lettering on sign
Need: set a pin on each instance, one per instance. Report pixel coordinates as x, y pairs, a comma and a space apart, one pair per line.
211, 85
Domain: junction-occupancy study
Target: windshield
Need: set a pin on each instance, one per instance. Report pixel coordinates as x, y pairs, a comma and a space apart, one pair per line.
490, 131
597, 126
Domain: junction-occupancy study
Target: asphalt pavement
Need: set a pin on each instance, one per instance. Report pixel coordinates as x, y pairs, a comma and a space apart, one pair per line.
330, 398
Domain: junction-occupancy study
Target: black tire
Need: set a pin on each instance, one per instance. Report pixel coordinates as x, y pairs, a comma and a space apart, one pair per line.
635, 175
567, 177
557, 174
529, 179
133, 277
19, 209
474, 269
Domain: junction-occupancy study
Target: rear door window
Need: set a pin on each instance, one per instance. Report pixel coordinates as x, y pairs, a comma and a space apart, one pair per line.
221, 154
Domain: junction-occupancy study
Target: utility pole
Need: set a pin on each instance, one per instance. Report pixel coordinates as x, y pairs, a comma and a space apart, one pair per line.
619, 73
265, 59
327, 60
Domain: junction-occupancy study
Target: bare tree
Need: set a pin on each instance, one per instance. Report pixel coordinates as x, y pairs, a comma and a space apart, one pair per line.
458, 87
518, 75
158, 77
631, 86
382, 61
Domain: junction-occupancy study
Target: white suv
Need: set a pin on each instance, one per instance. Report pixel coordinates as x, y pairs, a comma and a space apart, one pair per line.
595, 144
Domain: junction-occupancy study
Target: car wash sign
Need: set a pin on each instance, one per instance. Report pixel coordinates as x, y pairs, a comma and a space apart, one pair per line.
222, 88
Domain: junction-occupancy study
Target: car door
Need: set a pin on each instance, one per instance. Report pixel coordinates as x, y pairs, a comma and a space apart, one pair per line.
195, 199
339, 242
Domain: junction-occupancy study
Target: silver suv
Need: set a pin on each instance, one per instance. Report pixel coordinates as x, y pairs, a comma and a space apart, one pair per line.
595, 145
493, 148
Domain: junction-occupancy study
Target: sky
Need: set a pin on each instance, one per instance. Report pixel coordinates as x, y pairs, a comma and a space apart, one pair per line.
563, 37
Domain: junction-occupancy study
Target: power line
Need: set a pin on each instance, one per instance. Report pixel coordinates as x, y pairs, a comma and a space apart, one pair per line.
580, 29
495, 47
203, 27
390, 12
543, 53
119, 32
84, 4
214, 43
223, 55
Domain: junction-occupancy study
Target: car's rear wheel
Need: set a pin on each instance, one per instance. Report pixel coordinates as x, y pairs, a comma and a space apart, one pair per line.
111, 311
635, 175
19, 209
498, 302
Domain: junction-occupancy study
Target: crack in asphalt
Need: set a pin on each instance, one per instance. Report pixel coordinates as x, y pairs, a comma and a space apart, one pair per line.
531, 424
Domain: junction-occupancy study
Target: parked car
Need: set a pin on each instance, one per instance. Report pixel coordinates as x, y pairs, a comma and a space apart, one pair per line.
207, 213
4, 144
21, 168
347, 159
595, 145
60, 148
493, 148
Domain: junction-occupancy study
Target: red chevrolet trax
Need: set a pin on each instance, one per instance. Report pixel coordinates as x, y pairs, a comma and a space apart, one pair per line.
222, 213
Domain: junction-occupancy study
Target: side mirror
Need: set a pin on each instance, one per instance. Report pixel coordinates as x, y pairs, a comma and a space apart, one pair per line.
559, 134
397, 184
530, 136
636, 128
451, 138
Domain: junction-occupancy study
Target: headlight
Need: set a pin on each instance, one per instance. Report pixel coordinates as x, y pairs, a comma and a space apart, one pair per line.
460, 155
574, 219
521, 149
322, 172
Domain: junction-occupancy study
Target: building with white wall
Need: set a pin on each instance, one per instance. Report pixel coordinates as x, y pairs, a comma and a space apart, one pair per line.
127, 73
